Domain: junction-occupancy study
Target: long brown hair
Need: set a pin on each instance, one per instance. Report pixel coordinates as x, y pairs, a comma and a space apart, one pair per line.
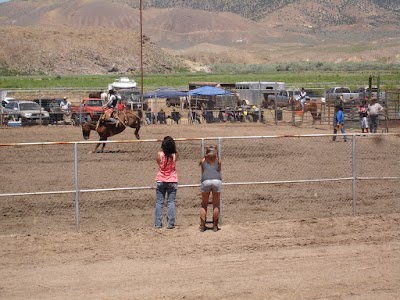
168, 147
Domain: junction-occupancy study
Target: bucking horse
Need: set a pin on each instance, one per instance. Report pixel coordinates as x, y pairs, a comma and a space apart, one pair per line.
127, 118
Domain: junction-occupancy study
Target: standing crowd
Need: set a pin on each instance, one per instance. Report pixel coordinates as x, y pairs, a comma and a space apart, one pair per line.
369, 117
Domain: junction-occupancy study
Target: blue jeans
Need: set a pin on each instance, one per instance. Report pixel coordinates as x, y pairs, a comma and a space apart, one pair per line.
342, 131
163, 188
374, 122
302, 100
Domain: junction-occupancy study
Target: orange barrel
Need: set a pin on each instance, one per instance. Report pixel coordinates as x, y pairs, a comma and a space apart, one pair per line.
298, 117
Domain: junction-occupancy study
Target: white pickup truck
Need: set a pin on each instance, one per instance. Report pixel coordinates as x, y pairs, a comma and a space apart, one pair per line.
363, 92
281, 99
335, 92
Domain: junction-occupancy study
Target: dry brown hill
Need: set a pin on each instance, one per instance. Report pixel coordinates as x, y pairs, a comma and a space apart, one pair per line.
99, 36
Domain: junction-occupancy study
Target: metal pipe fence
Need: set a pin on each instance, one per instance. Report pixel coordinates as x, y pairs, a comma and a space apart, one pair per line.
60, 186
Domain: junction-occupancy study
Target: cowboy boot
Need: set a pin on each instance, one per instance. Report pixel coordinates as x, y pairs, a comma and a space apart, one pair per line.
215, 225
202, 225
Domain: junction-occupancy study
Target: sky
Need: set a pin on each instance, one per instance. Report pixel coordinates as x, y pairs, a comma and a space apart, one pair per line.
1, 1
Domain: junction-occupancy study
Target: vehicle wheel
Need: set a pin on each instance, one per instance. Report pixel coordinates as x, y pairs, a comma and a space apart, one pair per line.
272, 104
249, 118
45, 122
75, 120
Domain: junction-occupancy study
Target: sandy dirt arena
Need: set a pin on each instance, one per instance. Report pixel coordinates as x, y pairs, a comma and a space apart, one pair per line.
261, 252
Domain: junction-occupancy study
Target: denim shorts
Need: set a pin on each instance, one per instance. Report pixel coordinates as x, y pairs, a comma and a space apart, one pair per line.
214, 185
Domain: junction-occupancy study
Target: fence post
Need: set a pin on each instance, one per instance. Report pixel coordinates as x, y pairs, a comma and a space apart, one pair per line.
220, 199
353, 164
76, 186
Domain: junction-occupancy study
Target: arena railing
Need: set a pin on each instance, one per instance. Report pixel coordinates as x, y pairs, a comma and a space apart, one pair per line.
58, 185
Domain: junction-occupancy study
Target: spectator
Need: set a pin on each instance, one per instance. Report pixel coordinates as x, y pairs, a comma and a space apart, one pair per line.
55, 110
161, 117
339, 124
211, 181
149, 117
374, 109
194, 117
363, 111
166, 182
339, 102
221, 117
120, 105
176, 116
65, 107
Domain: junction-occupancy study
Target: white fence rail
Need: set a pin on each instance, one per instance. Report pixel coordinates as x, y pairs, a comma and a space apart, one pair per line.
60, 186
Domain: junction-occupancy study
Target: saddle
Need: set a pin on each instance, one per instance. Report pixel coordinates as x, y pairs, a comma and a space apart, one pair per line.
107, 114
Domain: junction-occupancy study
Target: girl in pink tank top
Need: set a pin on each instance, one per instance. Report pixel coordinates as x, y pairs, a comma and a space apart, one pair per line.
166, 182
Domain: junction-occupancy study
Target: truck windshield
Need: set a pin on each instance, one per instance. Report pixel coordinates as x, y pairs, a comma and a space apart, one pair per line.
29, 106
342, 90
94, 103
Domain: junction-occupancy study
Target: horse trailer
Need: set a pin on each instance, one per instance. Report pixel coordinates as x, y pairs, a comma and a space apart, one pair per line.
256, 93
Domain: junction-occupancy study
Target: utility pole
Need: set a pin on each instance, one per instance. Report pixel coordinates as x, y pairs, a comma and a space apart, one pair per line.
141, 55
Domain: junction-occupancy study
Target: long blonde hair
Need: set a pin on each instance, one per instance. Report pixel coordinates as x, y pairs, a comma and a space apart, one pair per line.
211, 155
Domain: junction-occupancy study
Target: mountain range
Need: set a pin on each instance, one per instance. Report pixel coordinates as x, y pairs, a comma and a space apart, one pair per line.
102, 36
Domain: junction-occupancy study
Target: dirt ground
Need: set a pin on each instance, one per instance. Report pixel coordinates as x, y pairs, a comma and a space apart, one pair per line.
253, 256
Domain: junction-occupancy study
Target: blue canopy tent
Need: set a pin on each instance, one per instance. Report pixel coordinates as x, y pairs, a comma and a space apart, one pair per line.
164, 93
208, 91
204, 95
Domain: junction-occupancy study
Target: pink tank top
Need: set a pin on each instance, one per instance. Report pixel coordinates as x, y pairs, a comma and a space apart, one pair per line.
167, 170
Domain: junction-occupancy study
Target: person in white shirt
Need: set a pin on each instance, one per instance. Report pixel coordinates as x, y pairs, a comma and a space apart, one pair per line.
374, 109
65, 107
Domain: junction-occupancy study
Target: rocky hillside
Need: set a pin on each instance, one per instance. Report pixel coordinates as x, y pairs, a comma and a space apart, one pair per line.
101, 36
60, 50
324, 12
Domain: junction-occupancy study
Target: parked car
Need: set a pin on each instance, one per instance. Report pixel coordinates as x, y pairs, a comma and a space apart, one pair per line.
29, 112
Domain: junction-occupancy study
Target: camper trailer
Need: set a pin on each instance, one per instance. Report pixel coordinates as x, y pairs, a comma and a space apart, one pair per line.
130, 94
256, 93
122, 83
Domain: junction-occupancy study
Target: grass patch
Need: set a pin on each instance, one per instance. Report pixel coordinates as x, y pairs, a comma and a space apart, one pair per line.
294, 74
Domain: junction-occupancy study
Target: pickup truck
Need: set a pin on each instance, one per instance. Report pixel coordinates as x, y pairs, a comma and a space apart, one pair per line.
89, 109
363, 92
335, 92
28, 112
281, 99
